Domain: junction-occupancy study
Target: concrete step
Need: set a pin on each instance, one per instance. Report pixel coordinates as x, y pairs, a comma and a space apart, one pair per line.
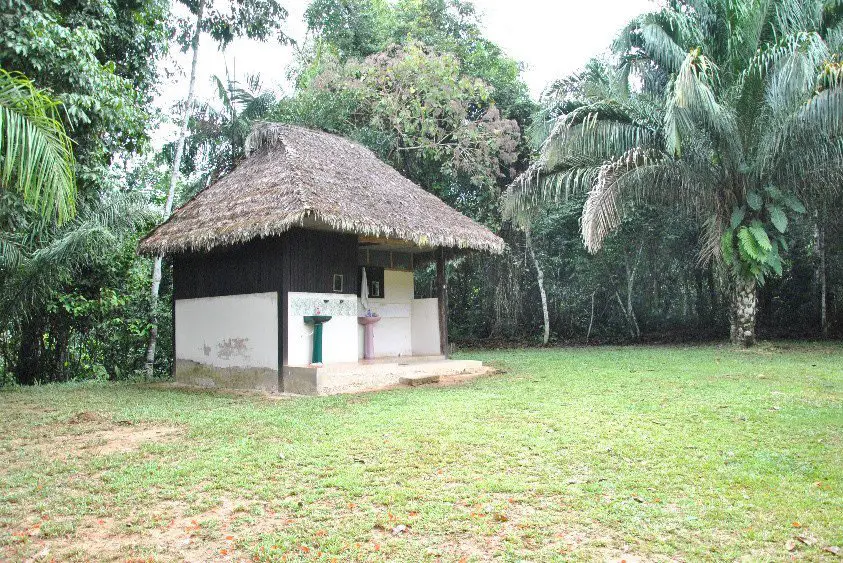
363, 376
418, 379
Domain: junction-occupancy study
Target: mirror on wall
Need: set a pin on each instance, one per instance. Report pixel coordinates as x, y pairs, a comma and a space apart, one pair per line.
374, 279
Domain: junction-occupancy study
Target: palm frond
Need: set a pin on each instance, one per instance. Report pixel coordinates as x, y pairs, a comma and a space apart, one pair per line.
792, 77
603, 210
834, 36
770, 55
693, 106
592, 141
710, 236
814, 169
534, 189
540, 128
747, 25
571, 159
10, 254
821, 115
36, 155
94, 233
661, 47
665, 36
797, 15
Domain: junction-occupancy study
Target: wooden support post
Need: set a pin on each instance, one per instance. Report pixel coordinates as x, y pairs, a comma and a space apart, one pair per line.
173, 317
442, 288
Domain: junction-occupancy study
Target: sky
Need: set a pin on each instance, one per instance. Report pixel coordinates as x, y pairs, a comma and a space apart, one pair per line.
553, 38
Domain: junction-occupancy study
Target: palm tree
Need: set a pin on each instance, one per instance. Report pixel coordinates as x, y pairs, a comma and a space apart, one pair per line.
43, 256
36, 155
219, 131
729, 111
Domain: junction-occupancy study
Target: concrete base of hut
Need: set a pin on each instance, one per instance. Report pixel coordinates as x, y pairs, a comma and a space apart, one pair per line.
332, 379
368, 375
193, 373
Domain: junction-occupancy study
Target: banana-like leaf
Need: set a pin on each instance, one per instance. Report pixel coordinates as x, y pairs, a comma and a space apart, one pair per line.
738, 215
774, 260
753, 199
794, 204
778, 218
727, 246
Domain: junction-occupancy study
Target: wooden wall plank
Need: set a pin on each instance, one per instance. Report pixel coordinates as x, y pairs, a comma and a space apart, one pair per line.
315, 256
308, 259
254, 267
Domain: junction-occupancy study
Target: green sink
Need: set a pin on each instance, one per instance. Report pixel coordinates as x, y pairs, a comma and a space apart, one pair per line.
317, 319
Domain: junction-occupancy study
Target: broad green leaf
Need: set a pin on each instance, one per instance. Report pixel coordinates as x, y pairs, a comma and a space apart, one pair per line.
754, 200
794, 204
737, 217
774, 193
778, 218
36, 154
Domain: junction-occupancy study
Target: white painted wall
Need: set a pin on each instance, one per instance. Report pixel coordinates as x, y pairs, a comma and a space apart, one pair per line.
229, 331
425, 327
393, 333
339, 336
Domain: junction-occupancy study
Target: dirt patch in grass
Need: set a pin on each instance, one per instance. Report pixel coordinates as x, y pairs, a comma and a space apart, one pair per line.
169, 531
91, 434
121, 440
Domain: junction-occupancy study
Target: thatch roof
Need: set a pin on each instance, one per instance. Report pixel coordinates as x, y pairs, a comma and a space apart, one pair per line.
300, 177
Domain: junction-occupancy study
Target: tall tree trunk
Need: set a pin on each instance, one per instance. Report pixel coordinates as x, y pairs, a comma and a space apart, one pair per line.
442, 289
174, 178
591, 319
823, 280
743, 310
30, 349
700, 296
540, 279
629, 311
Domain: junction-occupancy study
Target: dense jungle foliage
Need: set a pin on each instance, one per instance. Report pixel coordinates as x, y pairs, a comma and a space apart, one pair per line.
671, 127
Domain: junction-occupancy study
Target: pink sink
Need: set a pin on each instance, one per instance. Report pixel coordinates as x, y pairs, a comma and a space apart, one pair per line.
368, 335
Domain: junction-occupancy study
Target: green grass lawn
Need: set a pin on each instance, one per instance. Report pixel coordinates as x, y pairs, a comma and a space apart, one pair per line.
571, 454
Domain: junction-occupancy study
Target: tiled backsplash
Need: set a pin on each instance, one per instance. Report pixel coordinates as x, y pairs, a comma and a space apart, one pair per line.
343, 305
333, 304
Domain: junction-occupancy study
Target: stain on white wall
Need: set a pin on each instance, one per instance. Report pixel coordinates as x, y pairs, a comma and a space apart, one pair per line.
229, 331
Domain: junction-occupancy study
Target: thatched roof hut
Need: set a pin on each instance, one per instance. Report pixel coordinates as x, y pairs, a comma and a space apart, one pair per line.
298, 177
